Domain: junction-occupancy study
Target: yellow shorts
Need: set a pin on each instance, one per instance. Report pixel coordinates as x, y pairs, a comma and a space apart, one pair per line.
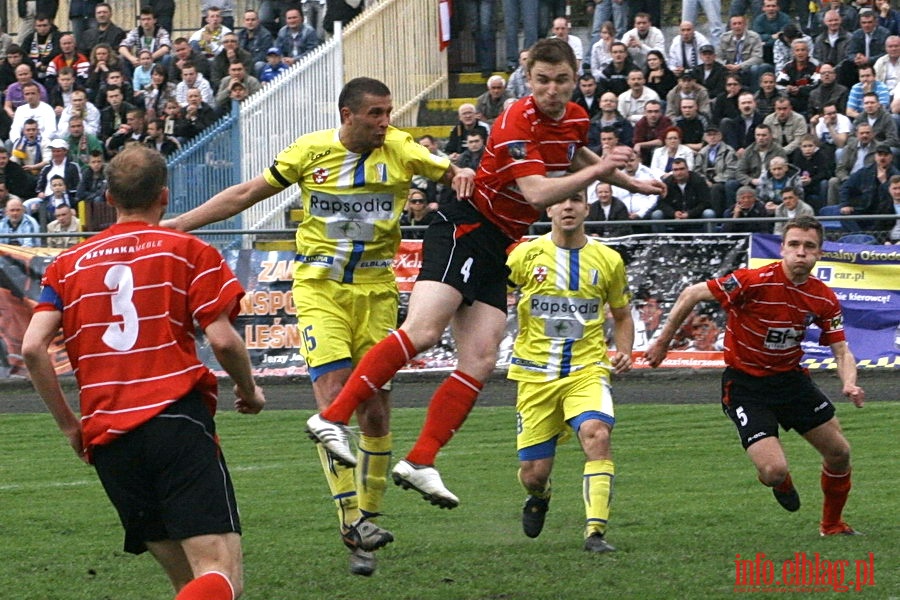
544, 407
339, 321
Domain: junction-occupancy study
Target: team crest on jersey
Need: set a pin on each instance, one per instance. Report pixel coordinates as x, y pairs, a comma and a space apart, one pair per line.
570, 152
540, 274
516, 150
320, 175
730, 284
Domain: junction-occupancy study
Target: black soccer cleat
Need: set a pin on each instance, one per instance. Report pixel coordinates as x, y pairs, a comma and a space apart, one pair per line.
596, 542
789, 501
533, 515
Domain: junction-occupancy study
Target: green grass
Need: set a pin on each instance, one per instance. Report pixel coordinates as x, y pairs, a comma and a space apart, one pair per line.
686, 502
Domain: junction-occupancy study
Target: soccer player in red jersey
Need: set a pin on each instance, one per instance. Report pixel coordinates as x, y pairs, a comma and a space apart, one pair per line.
127, 300
536, 156
764, 386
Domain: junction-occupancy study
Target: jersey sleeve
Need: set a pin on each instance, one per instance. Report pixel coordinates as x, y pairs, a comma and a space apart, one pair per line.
619, 292
287, 168
728, 288
517, 152
422, 162
831, 322
213, 288
50, 299
516, 263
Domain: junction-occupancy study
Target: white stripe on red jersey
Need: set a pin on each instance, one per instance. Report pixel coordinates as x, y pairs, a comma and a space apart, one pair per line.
768, 316
129, 298
522, 142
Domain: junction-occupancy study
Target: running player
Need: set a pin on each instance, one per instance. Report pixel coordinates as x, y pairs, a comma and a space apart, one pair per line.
560, 360
769, 311
354, 181
127, 300
536, 156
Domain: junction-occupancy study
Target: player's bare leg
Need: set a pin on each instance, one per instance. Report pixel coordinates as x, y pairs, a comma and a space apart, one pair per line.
534, 475
478, 330
829, 440
204, 566
771, 464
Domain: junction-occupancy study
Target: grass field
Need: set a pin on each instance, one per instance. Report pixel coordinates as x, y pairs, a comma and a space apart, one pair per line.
686, 503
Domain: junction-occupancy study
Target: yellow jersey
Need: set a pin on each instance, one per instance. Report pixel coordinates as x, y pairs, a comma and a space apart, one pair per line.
351, 202
564, 293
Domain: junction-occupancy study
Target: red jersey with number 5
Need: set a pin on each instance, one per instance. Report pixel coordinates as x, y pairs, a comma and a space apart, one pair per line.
524, 141
768, 316
129, 298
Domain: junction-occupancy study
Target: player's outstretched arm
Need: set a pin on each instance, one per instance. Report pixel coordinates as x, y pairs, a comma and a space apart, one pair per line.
612, 170
846, 363
231, 353
687, 300
41, 330
224, 205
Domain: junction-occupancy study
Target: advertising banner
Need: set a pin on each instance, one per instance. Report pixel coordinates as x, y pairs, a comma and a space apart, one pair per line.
866, 279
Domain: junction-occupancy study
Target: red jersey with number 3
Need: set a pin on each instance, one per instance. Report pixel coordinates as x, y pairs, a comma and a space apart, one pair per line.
129, 298
524, 141
768, 316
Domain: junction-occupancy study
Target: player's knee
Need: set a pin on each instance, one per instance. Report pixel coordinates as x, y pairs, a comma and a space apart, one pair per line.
837, 457
772, 474
532, 476
423, 335
594, 436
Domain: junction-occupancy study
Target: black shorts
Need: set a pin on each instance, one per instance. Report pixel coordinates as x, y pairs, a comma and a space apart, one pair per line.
168, 479
758, 405
464, 250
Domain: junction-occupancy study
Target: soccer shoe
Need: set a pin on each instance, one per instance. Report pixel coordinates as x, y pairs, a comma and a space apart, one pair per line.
362, 534
333, 437
840, 529
533, 515
362, 562
426, 481
597, 543
789, 501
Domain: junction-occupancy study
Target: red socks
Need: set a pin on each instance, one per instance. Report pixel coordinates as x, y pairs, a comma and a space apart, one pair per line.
374, 370
447, 411
785, 486
836, 488
209, 586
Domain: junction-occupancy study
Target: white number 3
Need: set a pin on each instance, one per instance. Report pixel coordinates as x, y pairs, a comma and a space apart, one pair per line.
121, 336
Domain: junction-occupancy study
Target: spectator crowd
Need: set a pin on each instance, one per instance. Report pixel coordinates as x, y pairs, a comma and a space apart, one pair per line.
784, 109
74, 96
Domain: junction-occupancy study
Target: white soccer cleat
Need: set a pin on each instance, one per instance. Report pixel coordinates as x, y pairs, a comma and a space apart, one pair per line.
426, 481
362, 562
333, 437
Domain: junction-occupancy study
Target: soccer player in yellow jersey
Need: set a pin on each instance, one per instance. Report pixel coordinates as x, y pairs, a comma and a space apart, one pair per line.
561, 362
354, 181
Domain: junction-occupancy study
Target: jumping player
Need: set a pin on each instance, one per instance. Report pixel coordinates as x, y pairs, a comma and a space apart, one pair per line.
769, 312
560, 360
354, 181
127, 300
536, 156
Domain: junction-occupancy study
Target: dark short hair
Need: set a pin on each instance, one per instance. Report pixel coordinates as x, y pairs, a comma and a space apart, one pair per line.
804, 223
352, 94
553, 51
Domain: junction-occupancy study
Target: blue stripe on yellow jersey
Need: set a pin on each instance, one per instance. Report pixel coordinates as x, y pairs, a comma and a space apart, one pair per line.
562, 308
351, 202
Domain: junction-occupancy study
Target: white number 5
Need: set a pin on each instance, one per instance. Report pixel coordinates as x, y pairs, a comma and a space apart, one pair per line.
121, 336
741, 415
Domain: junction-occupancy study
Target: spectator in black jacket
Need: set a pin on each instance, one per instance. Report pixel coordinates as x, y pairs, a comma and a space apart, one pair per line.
607, 208
92, 190
198, 114
687, 197
816, 168
112, 117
